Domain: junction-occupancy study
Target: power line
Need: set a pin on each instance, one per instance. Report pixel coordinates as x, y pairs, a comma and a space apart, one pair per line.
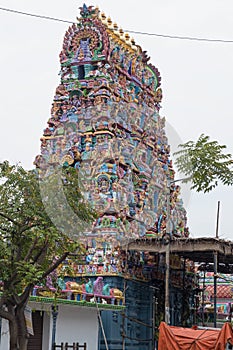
224, 41
35, 15
182, 37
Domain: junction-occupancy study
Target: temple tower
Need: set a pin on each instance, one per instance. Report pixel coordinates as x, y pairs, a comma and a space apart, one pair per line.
105, 123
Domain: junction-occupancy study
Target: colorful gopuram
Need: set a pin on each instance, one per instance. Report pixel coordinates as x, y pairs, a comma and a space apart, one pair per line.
105, 123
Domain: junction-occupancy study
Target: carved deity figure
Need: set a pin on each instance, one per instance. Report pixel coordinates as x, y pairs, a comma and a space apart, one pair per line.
98, 286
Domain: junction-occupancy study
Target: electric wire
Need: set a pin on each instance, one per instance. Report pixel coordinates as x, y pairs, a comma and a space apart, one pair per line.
177, 37
136, 339
181, 37
35, 15
138, 321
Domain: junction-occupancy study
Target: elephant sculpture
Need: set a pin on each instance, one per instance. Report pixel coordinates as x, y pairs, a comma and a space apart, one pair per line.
74, 286
117, 294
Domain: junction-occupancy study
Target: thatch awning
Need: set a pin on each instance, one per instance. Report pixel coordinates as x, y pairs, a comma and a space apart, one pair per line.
200, 250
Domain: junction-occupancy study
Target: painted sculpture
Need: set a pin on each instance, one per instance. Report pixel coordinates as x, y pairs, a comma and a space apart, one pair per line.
92, 291
105, 123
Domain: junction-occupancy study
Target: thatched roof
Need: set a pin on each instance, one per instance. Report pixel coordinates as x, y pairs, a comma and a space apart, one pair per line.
200, 250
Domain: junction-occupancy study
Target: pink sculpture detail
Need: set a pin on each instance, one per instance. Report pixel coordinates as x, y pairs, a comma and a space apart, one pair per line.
98, 286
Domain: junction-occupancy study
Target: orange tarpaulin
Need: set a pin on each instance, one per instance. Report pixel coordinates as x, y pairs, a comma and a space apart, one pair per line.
178, 338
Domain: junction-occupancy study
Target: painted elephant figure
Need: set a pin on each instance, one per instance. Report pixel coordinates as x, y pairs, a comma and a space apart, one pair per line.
116, 293
74, 286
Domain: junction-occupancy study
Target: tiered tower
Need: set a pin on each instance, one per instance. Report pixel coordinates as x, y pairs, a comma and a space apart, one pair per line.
105, 123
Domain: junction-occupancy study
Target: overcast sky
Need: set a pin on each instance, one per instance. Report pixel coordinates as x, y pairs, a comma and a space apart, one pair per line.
197, 79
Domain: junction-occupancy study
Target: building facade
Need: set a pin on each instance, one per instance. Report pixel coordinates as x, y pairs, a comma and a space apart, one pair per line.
105, 123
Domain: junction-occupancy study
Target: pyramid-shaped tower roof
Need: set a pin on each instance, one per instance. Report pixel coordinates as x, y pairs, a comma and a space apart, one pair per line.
105, 123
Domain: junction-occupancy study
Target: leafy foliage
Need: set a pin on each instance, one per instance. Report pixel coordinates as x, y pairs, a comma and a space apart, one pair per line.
31, 246
205, 163
63, 201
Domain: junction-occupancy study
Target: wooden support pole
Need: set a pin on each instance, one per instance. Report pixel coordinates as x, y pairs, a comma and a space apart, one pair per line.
216, 271
203, 299
217, 224
167, 277
183, 293
215, 287
167, 258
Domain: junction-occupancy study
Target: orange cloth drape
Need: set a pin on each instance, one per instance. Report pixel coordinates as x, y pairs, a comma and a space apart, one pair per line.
178, 338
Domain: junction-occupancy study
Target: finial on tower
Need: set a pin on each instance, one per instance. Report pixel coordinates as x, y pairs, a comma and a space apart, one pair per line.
88, 11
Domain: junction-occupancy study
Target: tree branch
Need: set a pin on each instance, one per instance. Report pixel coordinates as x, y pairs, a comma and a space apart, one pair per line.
37, 258
26, 293
55, 265
6, 315
2, 301
28, 227
9, 218
31, 249
4, 229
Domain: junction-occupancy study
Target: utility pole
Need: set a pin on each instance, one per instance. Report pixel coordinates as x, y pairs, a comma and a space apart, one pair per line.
216, 270
167, 256
167, 276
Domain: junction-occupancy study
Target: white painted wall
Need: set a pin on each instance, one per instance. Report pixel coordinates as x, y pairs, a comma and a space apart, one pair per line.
47, 326
77, 325
74, 324
4, 343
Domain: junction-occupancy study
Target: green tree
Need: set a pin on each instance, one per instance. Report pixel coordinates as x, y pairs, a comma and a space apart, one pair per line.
31, 245
205, 164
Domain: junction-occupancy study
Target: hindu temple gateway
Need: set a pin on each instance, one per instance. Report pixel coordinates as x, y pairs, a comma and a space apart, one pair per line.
105, 123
